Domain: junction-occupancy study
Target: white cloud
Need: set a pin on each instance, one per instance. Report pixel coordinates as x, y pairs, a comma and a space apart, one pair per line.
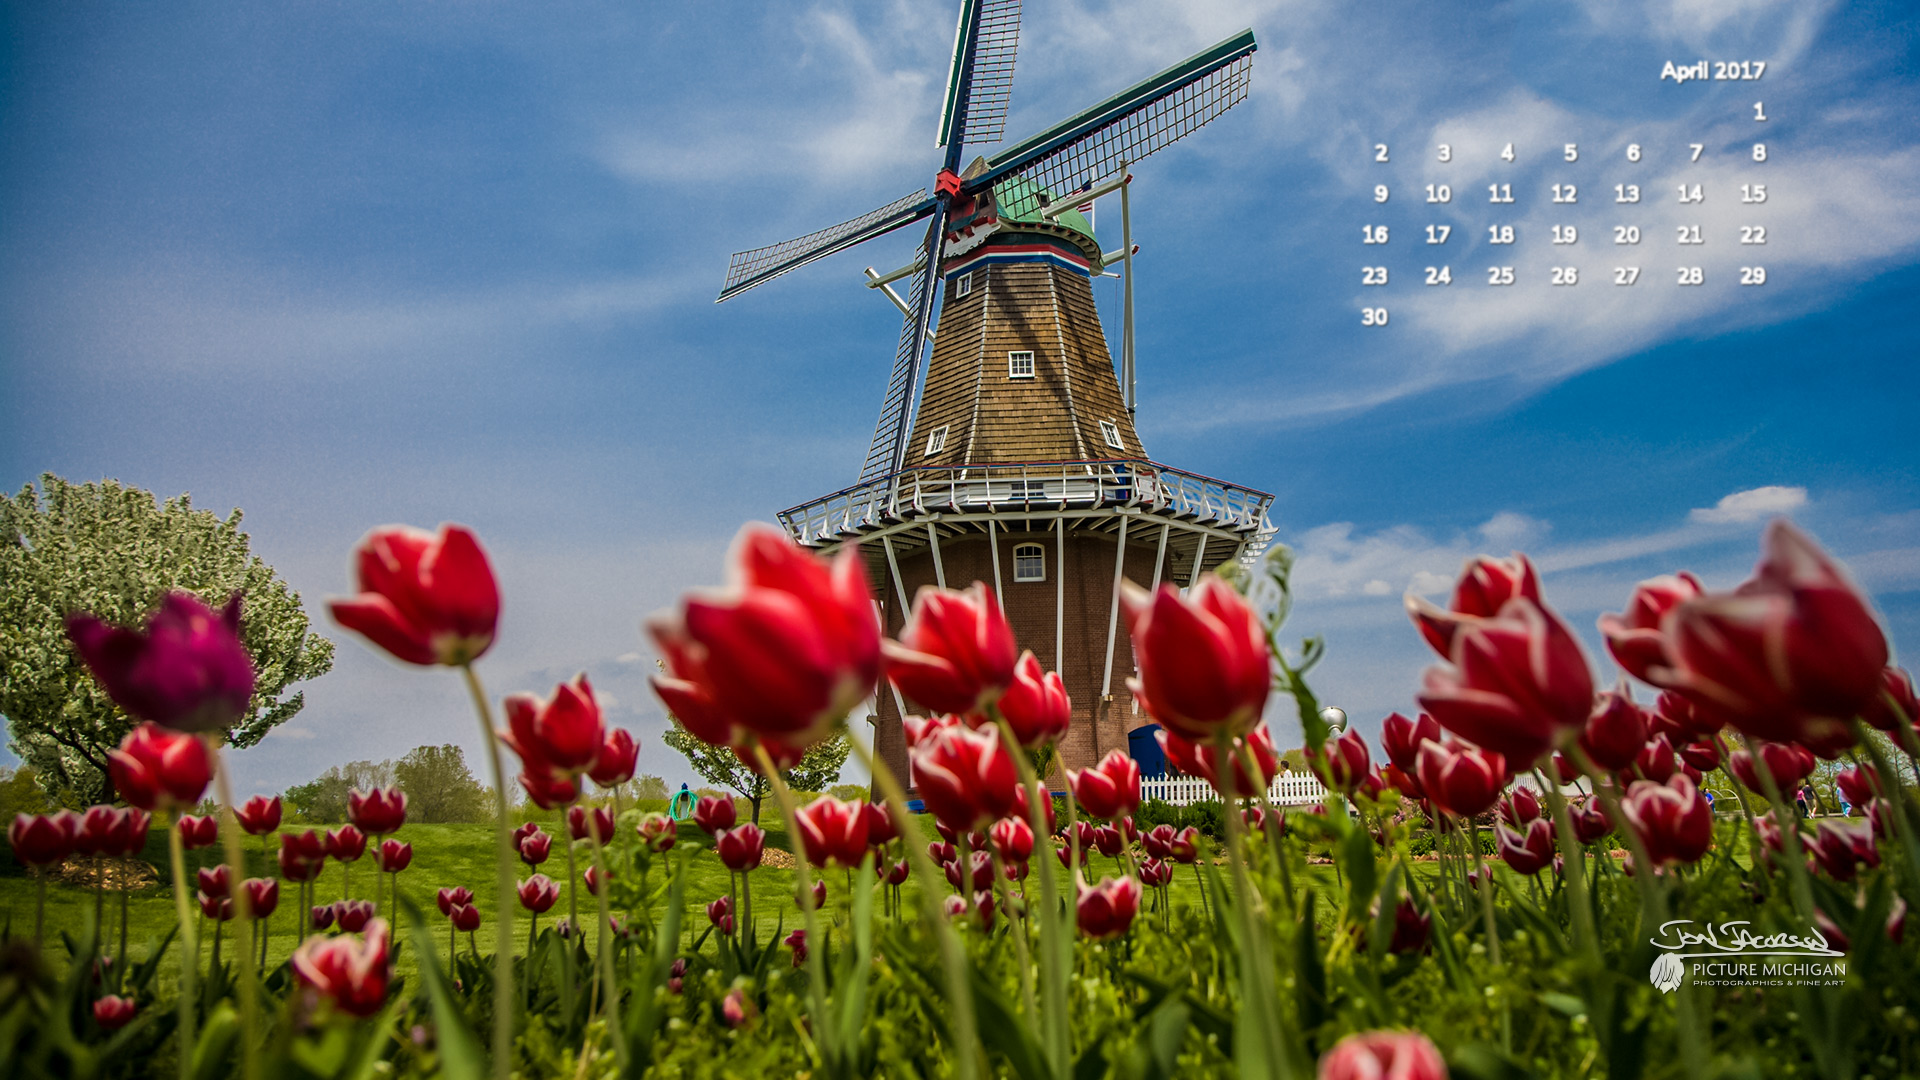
293, 731
1751, 505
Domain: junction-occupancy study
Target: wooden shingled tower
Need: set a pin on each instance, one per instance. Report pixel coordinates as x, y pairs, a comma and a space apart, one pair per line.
1013, 458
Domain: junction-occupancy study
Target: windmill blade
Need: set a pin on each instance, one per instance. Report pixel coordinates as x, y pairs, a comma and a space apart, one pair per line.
749, 268
980, 84
1126, 127
887, 454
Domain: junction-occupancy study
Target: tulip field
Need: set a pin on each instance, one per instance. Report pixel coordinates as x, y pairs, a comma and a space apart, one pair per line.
1530, 874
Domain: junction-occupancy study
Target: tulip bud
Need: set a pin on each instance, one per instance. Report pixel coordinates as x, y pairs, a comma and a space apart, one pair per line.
424, 598
594, 878
448, 899
1634, 637
217, 908
263, 896
1383, 1055
1158, 842
797, 941
1110, 789
940, 853
302, 855
377, 812
1673, 821
741, 847
895, 874
1202, 658
538, 893
112, 1012
260, 815
395, 856
353, 915
1519, 807
187, 670
215, 880
42, 839
1518, 680
1343, 763
880, 825
1401, 739
346, 844
713, 813
956, 653
321, 916
819, 896
1655, 761
720, 914
1106, 910
1616, 730
1527, 853
737, 1010
619, 755
982, 876
1035, 704
158, 769
657, 832
584, 823
1156, 874
1590, 821
197, 832
351, 973
1463, 781
535, 847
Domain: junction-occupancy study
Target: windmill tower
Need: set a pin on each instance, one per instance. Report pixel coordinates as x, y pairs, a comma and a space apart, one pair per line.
1015, 460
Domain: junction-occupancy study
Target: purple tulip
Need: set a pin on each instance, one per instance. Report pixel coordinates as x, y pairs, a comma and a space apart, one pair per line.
187, 670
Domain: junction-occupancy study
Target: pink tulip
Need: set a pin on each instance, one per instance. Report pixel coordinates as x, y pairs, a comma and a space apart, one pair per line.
965, 777
450, 898
1673, 821
346, 844
1197, 759
197, 832
1464, 781
559, 736
1342, 763
42, 839
584, 823
535, 848
1896, 703
352, 974
1013, 838
353, 915
1616, 730
713, 813
260, 815
1788, 762
113, 1012
538, 893
1526, 853
1383, 1055
394, 856
833, 832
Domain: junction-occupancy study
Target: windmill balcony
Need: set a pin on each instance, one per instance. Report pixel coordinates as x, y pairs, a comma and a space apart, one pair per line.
1035, 488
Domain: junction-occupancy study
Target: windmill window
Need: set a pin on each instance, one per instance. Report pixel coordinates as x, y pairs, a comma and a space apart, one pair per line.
962, 286
937, 441
1019, 365
1029, 562
1111, 433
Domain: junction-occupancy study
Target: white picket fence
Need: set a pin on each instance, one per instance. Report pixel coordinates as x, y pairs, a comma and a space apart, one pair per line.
1291, 789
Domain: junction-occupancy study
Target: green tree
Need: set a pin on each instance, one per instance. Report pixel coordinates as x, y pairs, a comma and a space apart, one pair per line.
439, 786
818, 770
323, 800
113, 551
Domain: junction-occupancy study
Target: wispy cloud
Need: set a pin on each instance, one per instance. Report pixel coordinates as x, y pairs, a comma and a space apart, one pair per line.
1751, 505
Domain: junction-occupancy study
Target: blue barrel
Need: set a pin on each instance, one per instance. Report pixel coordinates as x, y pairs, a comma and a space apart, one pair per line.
1144, 749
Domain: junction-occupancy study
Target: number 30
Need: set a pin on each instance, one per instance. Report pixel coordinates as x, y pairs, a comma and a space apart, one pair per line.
1373, 316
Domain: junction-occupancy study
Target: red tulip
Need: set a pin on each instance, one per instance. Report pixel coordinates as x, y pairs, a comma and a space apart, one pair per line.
1106, 910
1519, 806
921, 729
197, 832
593, 879
833, 832
302, 855
560, 736
720, 914
1896, 703
741, 847
158, 769
895, 874
784, 653
1110, 789
1859, 785
982, 876
1634, 637
713, 813
1013, 838
95, 831
940, 853
1517, 682
1157, 842
377, 812
1527, 853
263, 896
979, 912
1156, 874
584, 823
260, 815
1590, 821
619, 755
956, 653
1412, 928
1484, 587
819, 895
1463, 781
353, 915
1186, 845
346, 844
1674, 716
538, 893
1405, 783
188, 670
1401, 739
215, 907
1703, 754
535, 847
1342, 763
1842, 847
425, 599
113, 1012
880, 824
1616, 730
321, 916
1793, 652
547, 791
1788, 762
1036, 704
1197, 759
657, 832
1383, 1055
42, 839
1897, 921
965, 777
1673, 821
215, 880
450, 898
1655, 761
352, 974
394, 856
797, 941
1202, 659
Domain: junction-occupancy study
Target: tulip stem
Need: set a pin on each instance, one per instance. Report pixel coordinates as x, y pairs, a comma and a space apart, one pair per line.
1257, 994
1746, 810
604, 956
1485, 888
1789, 833
1573, 869
952, 956
803, 874
1270, 821
40, 906
1056, 946
190, 945
1653, 896
503, 886
242, 910
1895, 794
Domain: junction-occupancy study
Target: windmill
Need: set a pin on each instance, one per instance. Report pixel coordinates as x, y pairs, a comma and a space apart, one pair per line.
1020, 436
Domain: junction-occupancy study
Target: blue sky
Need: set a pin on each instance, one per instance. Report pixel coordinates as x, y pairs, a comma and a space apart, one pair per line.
341, 265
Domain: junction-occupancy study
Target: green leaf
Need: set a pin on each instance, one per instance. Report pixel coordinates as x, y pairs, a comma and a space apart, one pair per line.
1001, 1030
215, 1042
1356, 854
1310, 973
1167, 1032
460, 1054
